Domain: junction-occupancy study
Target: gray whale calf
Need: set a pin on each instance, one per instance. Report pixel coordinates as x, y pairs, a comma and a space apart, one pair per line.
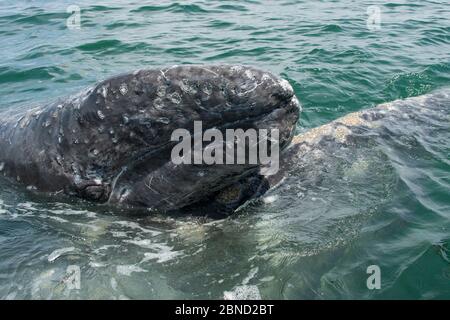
112, 142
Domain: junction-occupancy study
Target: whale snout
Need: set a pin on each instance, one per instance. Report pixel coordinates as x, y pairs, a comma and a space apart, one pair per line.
283, 90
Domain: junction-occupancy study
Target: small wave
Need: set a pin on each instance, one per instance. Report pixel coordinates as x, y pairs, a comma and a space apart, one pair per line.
331, 28
396, 5
101, 8
183, 52
100, 45
230, 7
175, 7
41, 18
119, 24
8, 75
220, 24
111, 46
255, 52
437, 36
319, 51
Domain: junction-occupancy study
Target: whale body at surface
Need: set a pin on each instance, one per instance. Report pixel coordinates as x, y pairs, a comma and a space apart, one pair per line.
112, 143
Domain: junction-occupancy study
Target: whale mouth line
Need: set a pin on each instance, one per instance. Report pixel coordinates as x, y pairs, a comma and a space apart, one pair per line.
219, 125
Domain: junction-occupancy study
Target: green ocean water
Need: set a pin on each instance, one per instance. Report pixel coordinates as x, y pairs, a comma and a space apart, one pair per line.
318, 249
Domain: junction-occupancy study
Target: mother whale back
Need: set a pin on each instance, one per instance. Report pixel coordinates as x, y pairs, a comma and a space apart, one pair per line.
112, 142
362, 150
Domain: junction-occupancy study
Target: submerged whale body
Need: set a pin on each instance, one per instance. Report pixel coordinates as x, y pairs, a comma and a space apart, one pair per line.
112, 143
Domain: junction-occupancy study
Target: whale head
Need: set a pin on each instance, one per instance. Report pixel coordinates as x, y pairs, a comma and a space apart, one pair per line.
125, 128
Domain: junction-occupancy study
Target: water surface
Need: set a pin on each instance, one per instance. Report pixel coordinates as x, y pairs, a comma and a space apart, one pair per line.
388, 208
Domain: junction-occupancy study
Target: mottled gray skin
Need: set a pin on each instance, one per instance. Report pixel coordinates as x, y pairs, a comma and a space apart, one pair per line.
386, 128
320, 152
111, 143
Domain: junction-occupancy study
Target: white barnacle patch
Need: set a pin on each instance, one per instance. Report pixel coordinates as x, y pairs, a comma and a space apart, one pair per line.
246, 88
355, 119
101, 129
59, 160
175, 98
161, 91
295, 102
207, 89
249, 74
285, 85
18, 121
46, 123
390, 106
341, 133
103, 91
186, 87
163, 120
314, 135
37, 113
158, 103
25, 121
100, 115
236, 68
123, 89
266, 77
